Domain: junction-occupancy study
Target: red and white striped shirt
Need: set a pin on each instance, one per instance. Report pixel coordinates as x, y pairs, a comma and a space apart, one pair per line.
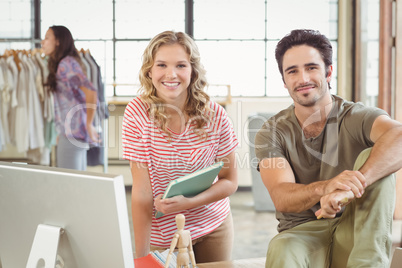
170, 159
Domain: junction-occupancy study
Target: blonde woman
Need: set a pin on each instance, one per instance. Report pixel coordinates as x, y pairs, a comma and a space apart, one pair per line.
172, 129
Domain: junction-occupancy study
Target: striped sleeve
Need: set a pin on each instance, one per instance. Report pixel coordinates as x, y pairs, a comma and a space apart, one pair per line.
228, 140
135, 121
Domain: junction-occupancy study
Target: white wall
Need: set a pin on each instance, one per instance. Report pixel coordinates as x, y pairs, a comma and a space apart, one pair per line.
239, 111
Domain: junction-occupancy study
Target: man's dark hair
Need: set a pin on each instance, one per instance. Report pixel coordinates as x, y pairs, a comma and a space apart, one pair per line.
311, 38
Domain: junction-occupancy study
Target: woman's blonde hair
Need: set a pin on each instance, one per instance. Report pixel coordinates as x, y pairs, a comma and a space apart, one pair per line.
197, 100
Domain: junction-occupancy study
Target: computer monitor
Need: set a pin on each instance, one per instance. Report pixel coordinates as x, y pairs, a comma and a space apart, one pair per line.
86, 210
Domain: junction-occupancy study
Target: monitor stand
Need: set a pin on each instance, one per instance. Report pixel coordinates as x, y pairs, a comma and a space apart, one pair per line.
44, 247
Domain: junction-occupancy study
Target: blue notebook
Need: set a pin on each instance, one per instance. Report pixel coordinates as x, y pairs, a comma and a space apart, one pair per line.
192, 184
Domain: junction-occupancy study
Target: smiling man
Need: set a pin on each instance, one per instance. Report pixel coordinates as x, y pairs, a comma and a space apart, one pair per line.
328, 165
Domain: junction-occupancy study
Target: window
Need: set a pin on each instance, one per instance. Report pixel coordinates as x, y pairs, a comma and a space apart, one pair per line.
15, 21
145, 19
236, 38
369, 51
89, 19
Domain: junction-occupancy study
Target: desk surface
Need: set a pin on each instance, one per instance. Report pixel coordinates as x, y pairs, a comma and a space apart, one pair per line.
246, 263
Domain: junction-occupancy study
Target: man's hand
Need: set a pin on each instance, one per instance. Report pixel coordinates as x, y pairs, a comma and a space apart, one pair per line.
348, 180
332, 203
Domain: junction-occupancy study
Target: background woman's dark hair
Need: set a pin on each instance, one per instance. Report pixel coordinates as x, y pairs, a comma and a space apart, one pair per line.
311, 38
65, 48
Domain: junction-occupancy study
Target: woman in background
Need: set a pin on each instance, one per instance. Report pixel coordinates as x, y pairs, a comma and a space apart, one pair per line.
172, 129
75, 99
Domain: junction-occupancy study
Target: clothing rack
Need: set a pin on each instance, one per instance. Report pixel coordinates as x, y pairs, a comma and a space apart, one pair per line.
17, 65
26, 110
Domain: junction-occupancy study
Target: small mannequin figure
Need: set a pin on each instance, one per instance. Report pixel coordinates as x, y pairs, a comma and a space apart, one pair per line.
181, 239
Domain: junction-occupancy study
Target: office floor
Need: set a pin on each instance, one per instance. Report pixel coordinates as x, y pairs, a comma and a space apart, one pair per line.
254, 230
